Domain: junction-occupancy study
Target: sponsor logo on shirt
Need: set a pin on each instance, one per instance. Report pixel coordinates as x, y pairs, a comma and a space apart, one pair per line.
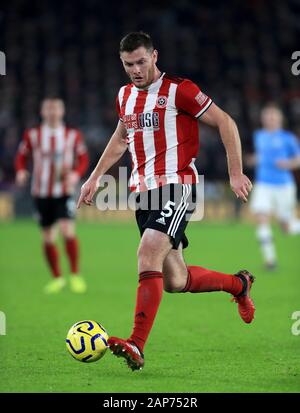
141, 121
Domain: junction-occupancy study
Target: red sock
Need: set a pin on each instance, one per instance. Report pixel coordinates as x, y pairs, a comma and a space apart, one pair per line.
203, 280
51, 254
71, 246
149, 295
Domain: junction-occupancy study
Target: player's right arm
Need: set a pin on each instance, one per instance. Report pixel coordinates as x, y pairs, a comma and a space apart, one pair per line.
114, 150
23, 153
192, 100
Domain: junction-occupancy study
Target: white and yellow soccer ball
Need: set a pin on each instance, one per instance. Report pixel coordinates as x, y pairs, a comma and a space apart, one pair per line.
87, 341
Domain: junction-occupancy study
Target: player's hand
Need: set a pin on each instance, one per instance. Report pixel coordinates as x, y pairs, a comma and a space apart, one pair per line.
241, 186
73, 178
283, 164
88, 190
22, 177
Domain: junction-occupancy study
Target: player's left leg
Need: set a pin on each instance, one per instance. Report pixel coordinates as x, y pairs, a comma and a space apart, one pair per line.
67, 229
178, 277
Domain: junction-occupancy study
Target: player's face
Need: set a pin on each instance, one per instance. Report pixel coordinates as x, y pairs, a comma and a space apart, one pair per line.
140, 66
52, 111
271, 118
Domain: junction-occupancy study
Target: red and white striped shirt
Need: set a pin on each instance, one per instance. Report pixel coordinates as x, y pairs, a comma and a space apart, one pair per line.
162, 130
55, 153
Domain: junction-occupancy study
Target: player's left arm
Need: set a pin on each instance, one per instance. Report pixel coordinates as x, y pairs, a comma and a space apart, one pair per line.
289, 164
216, 117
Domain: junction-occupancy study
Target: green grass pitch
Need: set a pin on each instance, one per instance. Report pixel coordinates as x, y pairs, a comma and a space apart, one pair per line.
198, 343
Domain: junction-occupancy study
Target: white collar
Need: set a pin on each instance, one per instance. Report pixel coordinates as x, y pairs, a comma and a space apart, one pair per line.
50, 130
152, 86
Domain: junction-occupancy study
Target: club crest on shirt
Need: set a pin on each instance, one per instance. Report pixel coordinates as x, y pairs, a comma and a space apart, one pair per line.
161, 101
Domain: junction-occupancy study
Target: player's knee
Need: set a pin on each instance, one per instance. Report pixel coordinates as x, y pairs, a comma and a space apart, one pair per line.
148, 258
145, 261
67, 229
49, 236
145, 252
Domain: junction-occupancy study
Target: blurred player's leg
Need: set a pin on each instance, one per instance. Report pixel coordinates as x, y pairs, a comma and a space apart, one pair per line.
52, 257
67, 227
265, 238
294, 227
263, 202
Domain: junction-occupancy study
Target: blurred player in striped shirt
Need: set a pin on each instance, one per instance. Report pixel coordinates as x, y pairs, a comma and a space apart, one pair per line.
158, 124
60, 159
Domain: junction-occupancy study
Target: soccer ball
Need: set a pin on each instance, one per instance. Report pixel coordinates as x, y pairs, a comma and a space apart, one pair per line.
87, 341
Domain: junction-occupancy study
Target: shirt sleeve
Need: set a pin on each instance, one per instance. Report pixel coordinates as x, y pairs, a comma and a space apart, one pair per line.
81, 155
190, 99
80, 146
23, 152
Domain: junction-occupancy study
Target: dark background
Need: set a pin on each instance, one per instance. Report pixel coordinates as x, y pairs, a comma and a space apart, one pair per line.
238, 52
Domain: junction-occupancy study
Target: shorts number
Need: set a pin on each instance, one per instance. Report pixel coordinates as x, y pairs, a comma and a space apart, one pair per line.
169, 209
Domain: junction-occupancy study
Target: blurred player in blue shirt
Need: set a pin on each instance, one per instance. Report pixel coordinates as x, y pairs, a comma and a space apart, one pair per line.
277, 153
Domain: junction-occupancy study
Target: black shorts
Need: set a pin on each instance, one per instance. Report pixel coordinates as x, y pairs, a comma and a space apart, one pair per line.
51, 210
167, 209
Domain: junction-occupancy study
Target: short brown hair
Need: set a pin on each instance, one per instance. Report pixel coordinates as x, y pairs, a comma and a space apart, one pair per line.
271, 105
134, 40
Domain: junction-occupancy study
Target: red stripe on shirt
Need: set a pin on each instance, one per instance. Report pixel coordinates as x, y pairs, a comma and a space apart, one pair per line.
38, 163
160, 141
